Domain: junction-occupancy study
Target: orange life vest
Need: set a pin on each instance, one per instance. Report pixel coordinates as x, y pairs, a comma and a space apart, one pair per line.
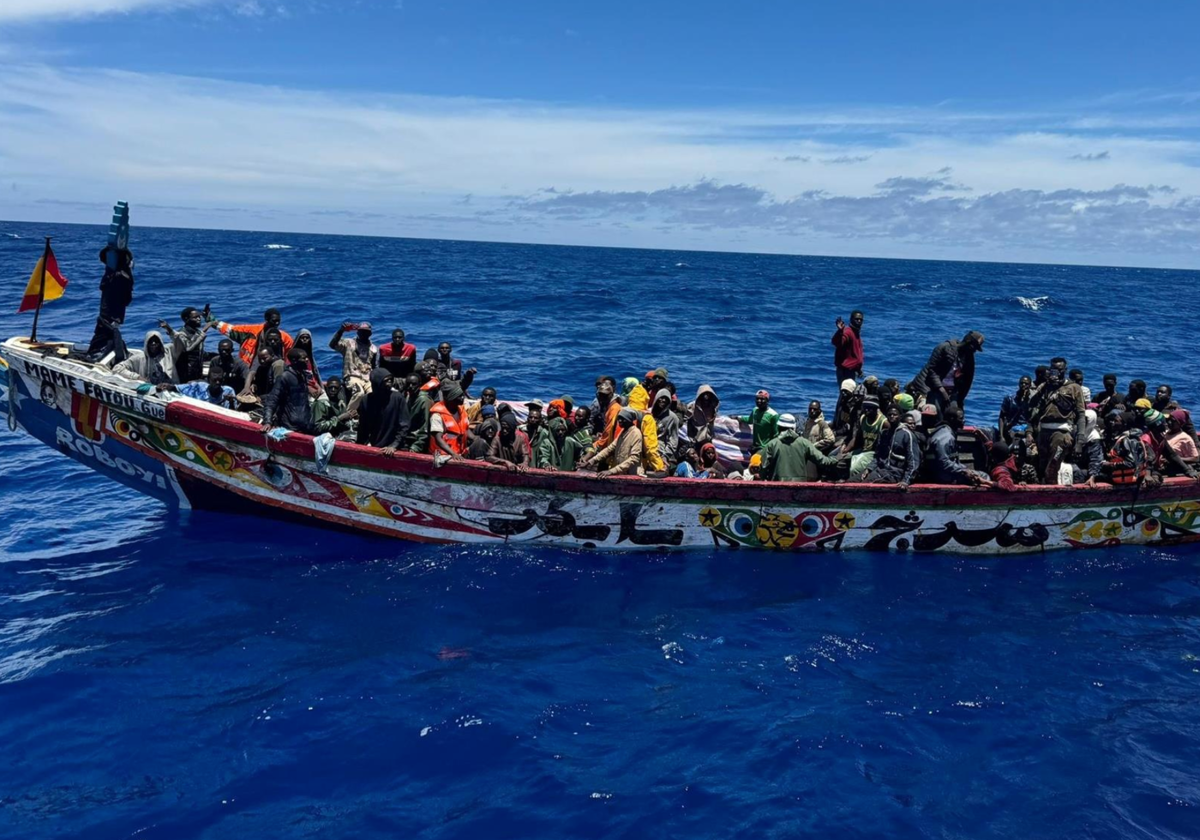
1127, 459
455, 425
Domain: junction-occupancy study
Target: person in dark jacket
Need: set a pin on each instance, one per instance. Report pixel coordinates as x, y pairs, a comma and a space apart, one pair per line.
848, 348
947, 376
331, 414
288, 404
234, 372
899, 456
482, 437
1015, 410
116, 293
383, 419
449, 368
943, 447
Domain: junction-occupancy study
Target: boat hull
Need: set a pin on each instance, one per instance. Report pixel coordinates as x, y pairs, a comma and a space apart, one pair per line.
188, 454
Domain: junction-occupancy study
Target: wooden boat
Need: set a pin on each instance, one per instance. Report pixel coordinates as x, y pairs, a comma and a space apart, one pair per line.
187, 453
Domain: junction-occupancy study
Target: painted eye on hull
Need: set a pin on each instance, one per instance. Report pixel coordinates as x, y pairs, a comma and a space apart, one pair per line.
810, 526
741, 525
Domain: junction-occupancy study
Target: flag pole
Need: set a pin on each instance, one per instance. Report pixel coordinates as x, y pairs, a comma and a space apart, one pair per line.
41, 290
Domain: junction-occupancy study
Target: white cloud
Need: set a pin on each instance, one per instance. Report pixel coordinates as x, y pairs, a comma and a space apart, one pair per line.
196, 151
28, 10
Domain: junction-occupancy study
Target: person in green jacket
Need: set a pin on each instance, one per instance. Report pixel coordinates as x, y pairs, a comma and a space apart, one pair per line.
786, 458
330, 414
420, 400
764, 420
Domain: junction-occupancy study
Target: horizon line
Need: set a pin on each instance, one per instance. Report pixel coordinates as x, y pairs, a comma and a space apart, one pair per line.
613, 247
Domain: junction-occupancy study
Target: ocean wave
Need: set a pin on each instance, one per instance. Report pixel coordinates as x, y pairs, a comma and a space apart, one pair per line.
1035, 303
275, 247
903, 287
13, 235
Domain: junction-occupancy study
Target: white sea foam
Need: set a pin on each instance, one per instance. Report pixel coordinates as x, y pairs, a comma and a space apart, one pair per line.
275, 247
1035, 304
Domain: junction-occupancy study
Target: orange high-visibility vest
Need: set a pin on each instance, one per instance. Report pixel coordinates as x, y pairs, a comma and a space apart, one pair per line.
456, 426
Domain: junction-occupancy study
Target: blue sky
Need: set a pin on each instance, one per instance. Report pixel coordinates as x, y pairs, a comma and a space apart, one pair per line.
1063, 132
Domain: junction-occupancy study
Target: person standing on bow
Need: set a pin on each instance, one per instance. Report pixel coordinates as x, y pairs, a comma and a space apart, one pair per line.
848, 348
187, 344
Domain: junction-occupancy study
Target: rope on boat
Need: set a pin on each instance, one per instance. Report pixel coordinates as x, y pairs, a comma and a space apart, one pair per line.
12, 398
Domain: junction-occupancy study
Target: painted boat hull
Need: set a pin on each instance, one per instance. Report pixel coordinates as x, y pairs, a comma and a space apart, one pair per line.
188, 454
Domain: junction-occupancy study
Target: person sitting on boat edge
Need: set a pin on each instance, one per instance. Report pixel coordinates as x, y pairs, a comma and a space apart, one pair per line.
1164, 460
848, 347
787, 457
211, 390
398, 356
1178, 438
331, 414
943, 449
248, 335
420, 395
1164, 401
898, 457
762, 420
151, 364
448, 425
383, 414
510, 448
359, 355
289, 404
624, 453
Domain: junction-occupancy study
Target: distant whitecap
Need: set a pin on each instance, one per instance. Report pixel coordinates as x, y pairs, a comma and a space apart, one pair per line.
275, 247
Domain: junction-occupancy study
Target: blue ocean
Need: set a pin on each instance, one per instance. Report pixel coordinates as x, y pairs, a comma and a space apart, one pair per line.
212, 676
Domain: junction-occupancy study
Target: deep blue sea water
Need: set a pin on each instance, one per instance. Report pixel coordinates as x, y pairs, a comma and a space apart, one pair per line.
223, 677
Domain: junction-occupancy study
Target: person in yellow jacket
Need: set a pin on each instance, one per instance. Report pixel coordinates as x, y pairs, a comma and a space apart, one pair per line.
652, 462
636, 397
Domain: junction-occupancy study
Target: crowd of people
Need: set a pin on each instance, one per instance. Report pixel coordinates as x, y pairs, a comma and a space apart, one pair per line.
1051, 430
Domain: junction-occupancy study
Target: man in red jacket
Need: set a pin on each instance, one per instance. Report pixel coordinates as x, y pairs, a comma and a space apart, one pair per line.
847, 348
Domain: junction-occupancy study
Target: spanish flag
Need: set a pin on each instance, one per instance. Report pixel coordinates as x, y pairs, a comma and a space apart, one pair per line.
56, 284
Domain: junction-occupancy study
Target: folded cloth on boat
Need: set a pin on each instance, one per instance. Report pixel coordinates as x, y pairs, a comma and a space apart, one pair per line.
323, 449
278, 433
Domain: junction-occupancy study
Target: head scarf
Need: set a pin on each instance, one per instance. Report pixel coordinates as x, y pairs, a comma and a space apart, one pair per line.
628, 414
556, 408
756, 459
1090, 432
452, 391
627, 385
1144, 404
904, 401
913, 417
1181, 416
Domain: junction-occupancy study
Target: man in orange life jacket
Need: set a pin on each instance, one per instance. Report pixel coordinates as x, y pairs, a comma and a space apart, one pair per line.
248, 335
448, 423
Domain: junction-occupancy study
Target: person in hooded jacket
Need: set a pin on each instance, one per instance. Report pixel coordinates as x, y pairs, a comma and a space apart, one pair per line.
482, 436
151, 364
383, 414
289, 404
702, 416
666, 429
304, 341
510, 448
633, 395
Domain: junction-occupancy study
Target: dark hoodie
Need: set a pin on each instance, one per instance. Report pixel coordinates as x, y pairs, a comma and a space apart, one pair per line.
383, 416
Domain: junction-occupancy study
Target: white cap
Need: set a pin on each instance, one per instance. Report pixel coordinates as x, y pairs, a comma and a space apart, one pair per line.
787, 421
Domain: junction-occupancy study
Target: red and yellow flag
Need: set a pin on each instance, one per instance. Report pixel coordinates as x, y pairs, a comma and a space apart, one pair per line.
56, 284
